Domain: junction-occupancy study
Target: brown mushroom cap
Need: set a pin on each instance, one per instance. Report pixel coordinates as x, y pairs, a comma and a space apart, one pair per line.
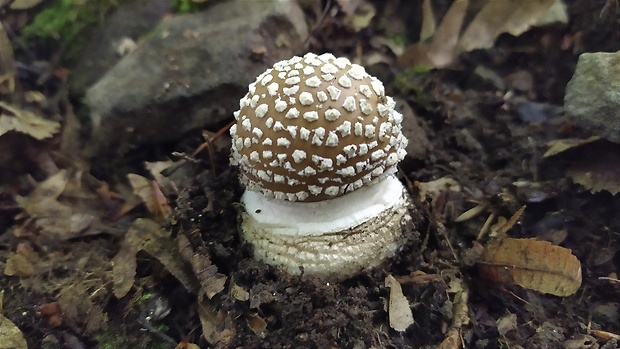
315, 127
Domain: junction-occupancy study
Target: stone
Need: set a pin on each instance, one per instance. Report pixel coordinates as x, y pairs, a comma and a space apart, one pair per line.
190, 73
592, 98
131, 20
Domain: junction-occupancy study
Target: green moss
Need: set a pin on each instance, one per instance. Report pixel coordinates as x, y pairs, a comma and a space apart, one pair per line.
405, 81
114, 341
408, 83
188, 6
68, 22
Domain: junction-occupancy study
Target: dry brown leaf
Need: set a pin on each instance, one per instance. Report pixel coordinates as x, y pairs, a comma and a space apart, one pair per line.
150, 193
11, 337
257, 324
400, 314
434, 188
502, 16
237, 292
561, 145
441, 51
598, 171
23, 262
453, 338
428, 21
147, 235
55, 218
211, 282
8, 70
16, 119
80, 310
507, 323
358, 13
24, 4
217, 326
494, 18
156, 169
533, 264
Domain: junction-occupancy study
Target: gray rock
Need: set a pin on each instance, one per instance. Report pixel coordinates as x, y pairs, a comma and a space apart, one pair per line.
130, 21
190, 73
592, 98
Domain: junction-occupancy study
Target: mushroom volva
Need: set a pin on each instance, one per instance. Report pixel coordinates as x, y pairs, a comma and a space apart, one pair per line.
317, 142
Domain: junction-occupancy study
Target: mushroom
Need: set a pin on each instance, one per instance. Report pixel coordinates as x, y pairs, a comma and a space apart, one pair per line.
317, 142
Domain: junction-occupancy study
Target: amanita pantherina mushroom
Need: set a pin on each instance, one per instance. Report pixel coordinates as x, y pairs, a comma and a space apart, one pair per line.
317, 143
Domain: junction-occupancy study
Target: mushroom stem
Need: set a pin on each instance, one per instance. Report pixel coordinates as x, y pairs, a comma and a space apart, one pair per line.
335, 238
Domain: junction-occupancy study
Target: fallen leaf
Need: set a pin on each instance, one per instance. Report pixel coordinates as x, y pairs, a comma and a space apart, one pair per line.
22, 262
598, 170
11, 337
561, 145
434, 188
532, 264
494, 18
147, 235
150, 193
428, 21
358, 13
453, 338
400, 315
24, 4
16, 119
55, 218
257, 324
156, 169
8, 69
502, 16
218, 327
506, 324
441, 50
81, 310
211, 282
557, 13
237, 292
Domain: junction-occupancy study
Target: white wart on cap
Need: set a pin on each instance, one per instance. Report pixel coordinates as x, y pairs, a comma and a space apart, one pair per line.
317, 142
315, 127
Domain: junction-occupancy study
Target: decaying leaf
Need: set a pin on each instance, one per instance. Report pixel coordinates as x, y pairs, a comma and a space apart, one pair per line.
494, 18
156, 169
460, 309
507, 323
502, 16
441, 51
16, 119
257, 324
79, 309
358, 13
11, 337
23, 262
217, 326
24, 4
533, 264
150, 193
237, 292
561, 145
7, 63
434, 188
147, 235
55, 218
400, 314
598, 171
211, 282
428, 21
